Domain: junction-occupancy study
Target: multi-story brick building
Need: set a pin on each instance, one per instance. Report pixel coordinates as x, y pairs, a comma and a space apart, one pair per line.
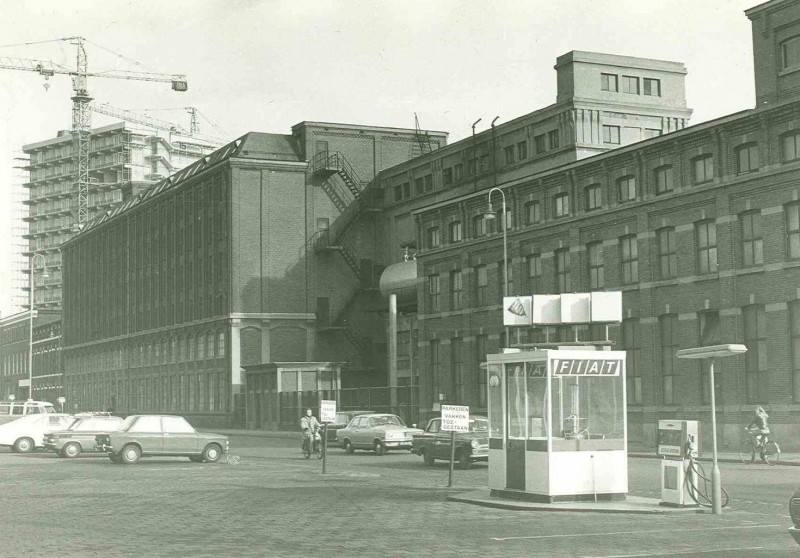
15, 342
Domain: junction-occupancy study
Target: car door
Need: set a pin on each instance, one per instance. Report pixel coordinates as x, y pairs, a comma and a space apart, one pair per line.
357, 428
146, 431
440, 444
179, 436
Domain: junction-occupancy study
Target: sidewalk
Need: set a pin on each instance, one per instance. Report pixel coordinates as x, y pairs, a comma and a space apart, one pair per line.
791, 459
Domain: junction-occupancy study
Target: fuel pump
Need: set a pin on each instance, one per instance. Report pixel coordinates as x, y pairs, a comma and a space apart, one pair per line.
678, 445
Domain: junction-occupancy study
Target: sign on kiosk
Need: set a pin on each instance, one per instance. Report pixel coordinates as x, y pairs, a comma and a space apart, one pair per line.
455, 418
327, 410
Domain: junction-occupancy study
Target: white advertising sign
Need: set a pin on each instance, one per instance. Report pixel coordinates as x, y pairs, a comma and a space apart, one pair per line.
517, 310
327, 410
546, 309
455, 418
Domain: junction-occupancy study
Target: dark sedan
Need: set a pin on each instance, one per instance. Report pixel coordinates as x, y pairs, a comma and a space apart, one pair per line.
160, 435
794, 513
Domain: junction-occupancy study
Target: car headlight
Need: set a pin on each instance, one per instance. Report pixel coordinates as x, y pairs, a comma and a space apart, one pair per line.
475, 443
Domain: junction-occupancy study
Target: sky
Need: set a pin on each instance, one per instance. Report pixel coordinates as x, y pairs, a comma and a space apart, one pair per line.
265, 65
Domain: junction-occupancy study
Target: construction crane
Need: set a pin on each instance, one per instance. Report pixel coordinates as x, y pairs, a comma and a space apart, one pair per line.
81, 100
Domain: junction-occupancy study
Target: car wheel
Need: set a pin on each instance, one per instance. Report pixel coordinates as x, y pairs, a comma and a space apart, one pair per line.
429, 460
380, 449
24, 445
130, 454
212, 453
463, 459
72, 449
196, 458
348, 447
115, 459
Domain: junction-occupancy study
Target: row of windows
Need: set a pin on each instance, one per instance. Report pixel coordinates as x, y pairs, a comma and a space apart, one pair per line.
751, 253
630, 84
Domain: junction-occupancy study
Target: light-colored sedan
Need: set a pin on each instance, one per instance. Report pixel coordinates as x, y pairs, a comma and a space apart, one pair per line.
27, 433
377, 432
80, 435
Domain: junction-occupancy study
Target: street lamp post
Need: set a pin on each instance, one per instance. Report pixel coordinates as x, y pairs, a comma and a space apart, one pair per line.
31, 285
503, 224
710, 353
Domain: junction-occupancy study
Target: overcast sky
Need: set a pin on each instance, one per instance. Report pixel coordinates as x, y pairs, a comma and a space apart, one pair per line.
265, 65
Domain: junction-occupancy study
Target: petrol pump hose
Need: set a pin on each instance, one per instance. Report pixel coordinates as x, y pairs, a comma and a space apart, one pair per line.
701, 498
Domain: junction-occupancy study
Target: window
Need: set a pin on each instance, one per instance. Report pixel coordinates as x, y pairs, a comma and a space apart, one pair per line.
539, 143
652, 87
534, 265
561, 205
629, 257
755, 338
793, 230
594, 197
479, 226
472, 167
434, 237
501, 279
398, 193
436, 364
668, 326
790, 52
630, 84
794, 316
533, 212
706, 234
664, 179
596, 266
611, 134
709, 335
648, 133
481, 351
522, 150
508, 222
790, 147
484, 163
626, 188
429, 183
563, 280
553, 139
481, 283
609, 82
752, 241
667, 256
633, 376
406, 189
447, 176
433, 293
419, 185
458, 386
455, 232
456, 289
509, 151
458, 171
747, 158
703, 169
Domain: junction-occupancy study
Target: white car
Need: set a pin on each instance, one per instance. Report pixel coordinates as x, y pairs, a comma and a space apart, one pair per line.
27, 433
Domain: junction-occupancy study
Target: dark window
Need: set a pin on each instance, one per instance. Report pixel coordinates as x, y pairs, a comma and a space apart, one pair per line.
398, 193
609, 82
626, 188
794, 310
539, 143
611, 134
664, 182
596, 266
709, 336
652, 87
436, 365
522, 150
752, 241
447, 176
406, 189
563, 280
419, 185
633, 376
756, 366
667, 255
456, 232
594, 197
553, 139
433, 293
479, 226
630, 84
534, 265
793, 230
669, 345
629, 256
434, 237
501, 279
790, 147
703, 169
561, 205
458, 171
508, 221
456, 289
533, 212
790, 52
429, 183
509, 152
706, 234
481, 282
472, 167
747, 158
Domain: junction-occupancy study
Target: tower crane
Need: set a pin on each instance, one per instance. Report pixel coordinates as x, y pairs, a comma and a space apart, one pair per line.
81, 100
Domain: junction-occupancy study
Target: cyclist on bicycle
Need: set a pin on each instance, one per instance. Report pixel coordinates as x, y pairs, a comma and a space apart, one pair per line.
759, 427
309, 425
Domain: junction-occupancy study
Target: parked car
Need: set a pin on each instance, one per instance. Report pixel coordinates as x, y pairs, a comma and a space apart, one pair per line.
12, 410
160, 435
472, 446
377, 432
343, 418
80, 435
27, 433
794, 513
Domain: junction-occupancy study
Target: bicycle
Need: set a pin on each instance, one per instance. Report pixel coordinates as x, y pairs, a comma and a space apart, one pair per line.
749, 445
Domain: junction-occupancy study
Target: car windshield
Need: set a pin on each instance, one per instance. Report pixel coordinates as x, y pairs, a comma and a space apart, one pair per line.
478, 425
386, 420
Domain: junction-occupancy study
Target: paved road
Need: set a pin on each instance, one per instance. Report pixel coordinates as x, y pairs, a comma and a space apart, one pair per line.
275, 503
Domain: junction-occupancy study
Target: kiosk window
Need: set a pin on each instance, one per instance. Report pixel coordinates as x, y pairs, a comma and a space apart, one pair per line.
495, 382
536, 376
516, 400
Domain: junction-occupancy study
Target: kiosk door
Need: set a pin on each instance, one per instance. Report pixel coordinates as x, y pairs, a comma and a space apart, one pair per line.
515, 430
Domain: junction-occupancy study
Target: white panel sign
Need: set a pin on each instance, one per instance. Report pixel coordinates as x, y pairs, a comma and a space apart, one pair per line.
607, 306
327, 410
546, 309
455, 418
575, 308
517, 310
